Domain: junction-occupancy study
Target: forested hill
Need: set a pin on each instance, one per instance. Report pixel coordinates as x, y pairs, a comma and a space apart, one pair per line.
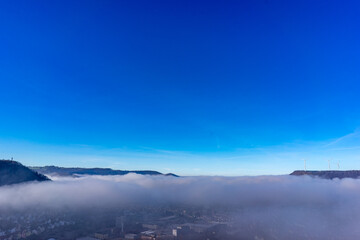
62, 171
12, 172
328, 174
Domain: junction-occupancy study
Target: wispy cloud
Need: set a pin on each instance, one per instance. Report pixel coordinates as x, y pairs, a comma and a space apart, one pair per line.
349, 136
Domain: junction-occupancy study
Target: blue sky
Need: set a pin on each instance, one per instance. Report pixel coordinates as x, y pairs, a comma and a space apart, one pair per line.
193, 87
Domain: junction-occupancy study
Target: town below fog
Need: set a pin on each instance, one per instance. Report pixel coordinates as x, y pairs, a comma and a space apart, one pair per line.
147, 223
159, 223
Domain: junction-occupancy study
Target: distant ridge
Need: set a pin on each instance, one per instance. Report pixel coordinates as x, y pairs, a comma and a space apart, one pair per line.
62, 171
329, 174
12, 172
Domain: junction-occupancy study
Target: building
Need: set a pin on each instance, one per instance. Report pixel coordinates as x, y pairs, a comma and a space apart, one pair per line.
150, 226
131, 236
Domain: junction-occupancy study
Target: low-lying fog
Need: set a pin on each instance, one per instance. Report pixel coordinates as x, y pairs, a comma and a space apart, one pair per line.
303, 206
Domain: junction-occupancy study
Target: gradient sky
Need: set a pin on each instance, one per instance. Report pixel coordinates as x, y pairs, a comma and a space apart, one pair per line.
192, 87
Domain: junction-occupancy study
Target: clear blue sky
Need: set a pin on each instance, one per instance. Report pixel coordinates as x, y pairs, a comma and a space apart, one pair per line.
193, 87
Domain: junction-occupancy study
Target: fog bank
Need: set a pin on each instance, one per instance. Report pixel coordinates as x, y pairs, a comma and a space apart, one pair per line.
300, 205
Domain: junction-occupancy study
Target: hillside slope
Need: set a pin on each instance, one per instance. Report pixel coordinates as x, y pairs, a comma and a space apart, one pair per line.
61, 171
12, 172
328, 174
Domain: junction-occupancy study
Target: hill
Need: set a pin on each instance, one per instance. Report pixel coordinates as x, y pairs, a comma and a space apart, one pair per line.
329, 174
62, 171
12, 172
